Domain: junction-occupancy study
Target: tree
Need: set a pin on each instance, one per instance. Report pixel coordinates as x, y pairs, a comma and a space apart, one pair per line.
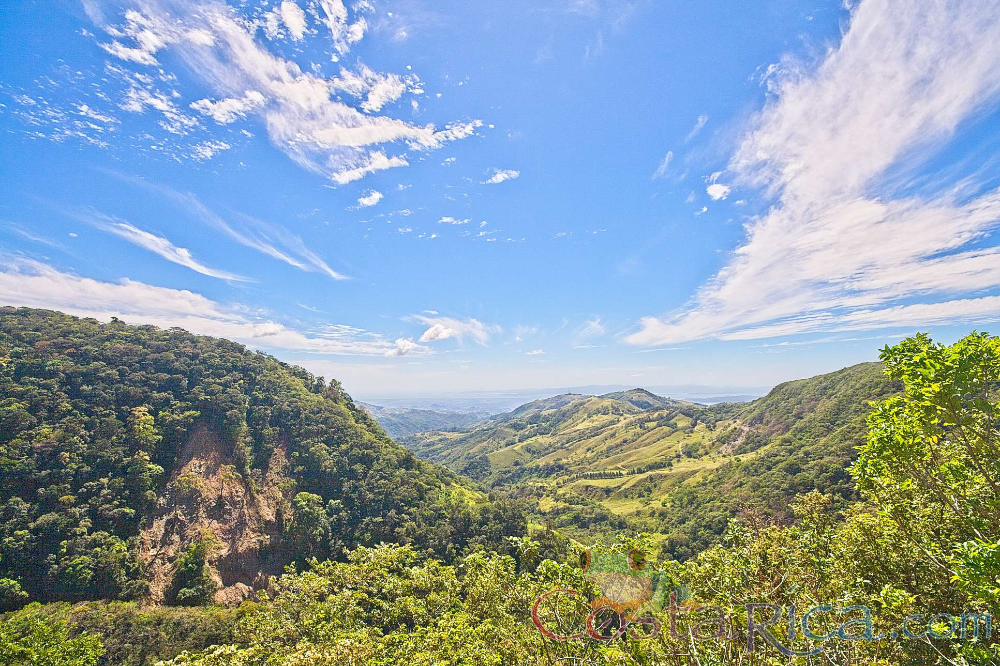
28, 637
310, 528
192, 583
11, 595
932, 460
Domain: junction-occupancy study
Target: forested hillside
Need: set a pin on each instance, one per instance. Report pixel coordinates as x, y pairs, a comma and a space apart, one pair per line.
137, 462
597, 463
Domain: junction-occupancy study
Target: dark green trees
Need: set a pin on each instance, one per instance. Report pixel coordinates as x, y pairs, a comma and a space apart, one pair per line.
94, 419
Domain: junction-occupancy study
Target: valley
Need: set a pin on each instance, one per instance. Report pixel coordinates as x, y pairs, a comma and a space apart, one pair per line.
177, 499
676, 468
401, 422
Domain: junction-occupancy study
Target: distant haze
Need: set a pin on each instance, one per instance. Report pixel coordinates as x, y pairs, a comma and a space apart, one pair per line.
503, 401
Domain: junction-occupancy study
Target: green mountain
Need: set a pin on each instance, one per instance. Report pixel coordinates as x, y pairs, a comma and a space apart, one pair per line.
137, 462
642, 399
596, 463
399, 422
563, 434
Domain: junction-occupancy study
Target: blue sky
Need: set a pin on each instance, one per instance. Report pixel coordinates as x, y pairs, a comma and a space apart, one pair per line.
418, 197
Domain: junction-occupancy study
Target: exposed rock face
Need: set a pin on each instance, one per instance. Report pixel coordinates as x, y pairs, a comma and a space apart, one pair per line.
207, 497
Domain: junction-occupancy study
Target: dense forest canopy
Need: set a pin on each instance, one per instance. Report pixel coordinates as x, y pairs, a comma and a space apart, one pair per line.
109, 431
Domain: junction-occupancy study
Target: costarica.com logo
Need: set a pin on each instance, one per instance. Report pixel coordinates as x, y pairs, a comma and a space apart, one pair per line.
628, 594
625, 585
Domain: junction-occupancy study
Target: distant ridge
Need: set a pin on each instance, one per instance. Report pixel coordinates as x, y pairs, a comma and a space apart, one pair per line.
403, 421
684, 469
642, 399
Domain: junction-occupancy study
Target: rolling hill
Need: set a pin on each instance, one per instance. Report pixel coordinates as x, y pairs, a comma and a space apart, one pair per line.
598, 463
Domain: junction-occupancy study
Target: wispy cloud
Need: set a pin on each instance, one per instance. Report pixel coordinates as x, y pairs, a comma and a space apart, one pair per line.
267, 238
403, 346
34, 284
522, 331
26, 234
830, 254
206, 150
230, 109
698, 125
590, 329
661, 170
448, 219
156, 244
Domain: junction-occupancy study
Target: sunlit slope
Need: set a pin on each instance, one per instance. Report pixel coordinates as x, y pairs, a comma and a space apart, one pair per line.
678, 468
560, 435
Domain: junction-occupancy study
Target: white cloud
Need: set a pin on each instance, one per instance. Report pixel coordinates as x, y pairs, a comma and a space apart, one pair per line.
231, 109
123, 52
150, 34
837, 250
376, 88
442, 328
357, 169
269, 239
302, 109
34, 284
46, 119
87, 112
522, 331
369, 199
155, 244
718, 191
342, 31
592, 328
699, 124
536, 352
661, 170
140, 97
294, 19
448, 219
500, 175
206, 150
404, 347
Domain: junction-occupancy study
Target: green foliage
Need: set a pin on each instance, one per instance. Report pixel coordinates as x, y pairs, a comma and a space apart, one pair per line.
385, 606
95, 419
915, 529
932, 460
192, 582
29, 637
133, 635
310, 526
